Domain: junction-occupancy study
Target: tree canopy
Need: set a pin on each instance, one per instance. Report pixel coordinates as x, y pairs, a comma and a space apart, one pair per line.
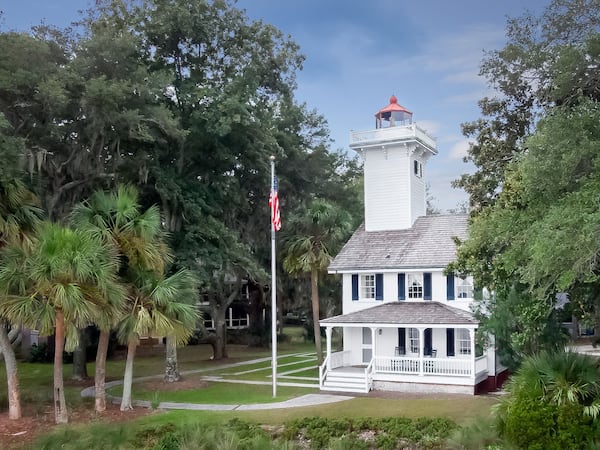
534, 230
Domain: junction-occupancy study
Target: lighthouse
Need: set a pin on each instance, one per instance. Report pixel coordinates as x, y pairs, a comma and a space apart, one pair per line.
394, 154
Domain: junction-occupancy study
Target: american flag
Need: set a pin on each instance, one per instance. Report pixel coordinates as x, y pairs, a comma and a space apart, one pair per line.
274, 204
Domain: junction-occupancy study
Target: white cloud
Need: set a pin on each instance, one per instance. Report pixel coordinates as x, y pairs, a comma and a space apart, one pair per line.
431, 126
459, 150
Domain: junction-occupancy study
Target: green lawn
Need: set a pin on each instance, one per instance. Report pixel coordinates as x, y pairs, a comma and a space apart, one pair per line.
223, 393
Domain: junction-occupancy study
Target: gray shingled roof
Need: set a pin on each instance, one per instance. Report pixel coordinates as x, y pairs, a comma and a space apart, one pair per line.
429, 243
406, 313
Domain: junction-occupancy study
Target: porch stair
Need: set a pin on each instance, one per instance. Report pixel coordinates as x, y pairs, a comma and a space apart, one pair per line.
345, 381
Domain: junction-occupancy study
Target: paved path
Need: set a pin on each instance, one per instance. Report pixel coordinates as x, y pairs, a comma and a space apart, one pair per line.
304, 400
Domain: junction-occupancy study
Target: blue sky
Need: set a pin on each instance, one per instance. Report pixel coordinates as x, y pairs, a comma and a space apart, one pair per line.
359, 53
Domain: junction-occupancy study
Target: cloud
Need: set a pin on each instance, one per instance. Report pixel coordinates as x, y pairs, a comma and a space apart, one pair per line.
431, 126
459, 150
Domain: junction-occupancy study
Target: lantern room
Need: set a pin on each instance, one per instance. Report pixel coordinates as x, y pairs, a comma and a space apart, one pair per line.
393, 115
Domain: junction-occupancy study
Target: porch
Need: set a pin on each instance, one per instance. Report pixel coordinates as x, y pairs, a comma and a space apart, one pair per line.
404, 347
337, 373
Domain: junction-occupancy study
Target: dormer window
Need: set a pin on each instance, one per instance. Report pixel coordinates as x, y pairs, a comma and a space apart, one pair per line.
415, 285
418, 169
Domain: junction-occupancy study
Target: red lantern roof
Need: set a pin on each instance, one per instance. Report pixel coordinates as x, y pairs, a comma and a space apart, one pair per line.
394, 113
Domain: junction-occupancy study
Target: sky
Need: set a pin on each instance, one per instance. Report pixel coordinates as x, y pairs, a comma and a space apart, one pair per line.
358, 53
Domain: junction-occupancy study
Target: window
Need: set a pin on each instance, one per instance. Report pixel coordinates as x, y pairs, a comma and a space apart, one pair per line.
415, 286
413, 340
464, 288
418, 169
367, 287
464, 341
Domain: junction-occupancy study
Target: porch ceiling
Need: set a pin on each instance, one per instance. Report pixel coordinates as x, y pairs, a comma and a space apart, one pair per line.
405, 313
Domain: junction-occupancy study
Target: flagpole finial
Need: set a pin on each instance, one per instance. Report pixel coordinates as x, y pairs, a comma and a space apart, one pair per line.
272, 158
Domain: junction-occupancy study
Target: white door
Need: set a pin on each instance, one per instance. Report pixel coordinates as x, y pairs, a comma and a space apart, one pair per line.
367, 346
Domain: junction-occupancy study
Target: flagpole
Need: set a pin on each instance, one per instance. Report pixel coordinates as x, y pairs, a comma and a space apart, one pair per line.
273, 291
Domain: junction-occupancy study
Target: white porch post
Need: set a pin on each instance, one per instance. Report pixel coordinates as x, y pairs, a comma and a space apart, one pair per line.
230, 317
421, 344
328, 337
472, 336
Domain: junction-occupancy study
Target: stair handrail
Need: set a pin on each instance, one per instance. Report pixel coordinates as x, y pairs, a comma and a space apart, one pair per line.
369, 375
323, 371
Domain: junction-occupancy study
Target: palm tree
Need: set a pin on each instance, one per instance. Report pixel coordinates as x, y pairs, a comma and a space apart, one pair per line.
316, 232
19, 213
70, 274
117, 219
160, 306
559, 378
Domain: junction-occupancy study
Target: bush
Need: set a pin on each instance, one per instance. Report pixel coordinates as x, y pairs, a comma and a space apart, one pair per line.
40, 354
482, 433
387, 433
545, 405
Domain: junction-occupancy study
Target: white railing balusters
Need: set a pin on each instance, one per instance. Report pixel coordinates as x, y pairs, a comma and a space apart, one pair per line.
431, 366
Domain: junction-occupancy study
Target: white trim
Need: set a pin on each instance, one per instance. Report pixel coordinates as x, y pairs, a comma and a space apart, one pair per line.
400, 325
395, 270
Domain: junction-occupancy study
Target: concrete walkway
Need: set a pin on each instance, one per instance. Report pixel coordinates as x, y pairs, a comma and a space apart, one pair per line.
304, 400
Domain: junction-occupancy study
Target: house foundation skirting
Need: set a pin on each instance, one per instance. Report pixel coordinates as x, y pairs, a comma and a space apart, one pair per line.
422, 388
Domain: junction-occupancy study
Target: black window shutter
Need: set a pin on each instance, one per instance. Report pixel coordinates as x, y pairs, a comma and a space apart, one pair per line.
378, 286
401, 342
401, 286
427, 346
427, 286
450, 286
449, 341
354, 287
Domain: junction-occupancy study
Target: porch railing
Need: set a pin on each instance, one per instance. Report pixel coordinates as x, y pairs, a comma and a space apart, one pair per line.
480, 364
340, 359
431, 366
323, 371
369, 376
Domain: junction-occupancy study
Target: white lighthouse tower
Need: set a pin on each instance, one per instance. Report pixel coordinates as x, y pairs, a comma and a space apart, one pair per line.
394, 154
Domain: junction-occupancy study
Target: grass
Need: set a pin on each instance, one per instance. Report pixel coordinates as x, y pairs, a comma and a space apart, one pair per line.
224, 393
462, 410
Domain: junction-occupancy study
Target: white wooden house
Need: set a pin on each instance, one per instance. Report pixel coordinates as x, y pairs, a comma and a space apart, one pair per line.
406, 324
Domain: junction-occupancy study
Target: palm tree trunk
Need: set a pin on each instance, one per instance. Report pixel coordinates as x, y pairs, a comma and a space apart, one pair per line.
60, 404
128, 378
80, 357
100, 375
314, 287
10, 362
171, 369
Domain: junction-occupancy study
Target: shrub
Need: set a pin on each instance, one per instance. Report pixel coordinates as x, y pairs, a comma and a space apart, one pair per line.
547, 400
387, 433
40, 354
482, 433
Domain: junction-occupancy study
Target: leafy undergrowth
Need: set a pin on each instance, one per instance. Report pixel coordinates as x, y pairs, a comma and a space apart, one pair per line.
308, 433
366, 433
